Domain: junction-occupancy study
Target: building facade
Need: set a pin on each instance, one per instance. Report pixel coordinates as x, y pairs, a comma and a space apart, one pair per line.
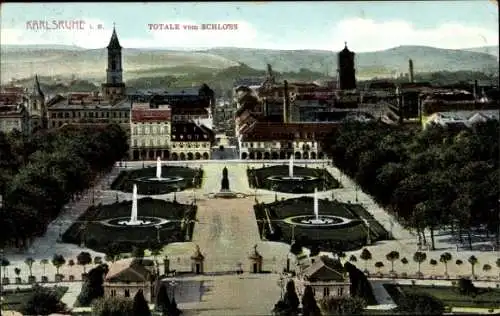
88, 108
326, 278
191, 141
126, 277
150, 133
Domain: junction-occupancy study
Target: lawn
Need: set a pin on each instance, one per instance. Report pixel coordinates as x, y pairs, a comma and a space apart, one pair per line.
350, 237
15, 299
258, 178
98, 236
486, 298
191, 178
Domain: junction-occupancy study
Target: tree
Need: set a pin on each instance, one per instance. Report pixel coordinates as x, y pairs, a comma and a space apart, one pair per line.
92, 287
140, 306
379, 265
5, 263
466, 287
71, 263
17, 271
353, 258
420, 304
433, 263
366, 256
290, 298
162, 299
112, 252
113, 306
459, 262
138, 252
58, 261
419, 257
97, 260
392, 256
44, 263
331, 305
498, 265
42, 301
29, 262
473, 261
309, 305
445, 258
486, 268
83, 259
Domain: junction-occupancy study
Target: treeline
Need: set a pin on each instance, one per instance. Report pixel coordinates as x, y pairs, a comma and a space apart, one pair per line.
41, 173
432, 179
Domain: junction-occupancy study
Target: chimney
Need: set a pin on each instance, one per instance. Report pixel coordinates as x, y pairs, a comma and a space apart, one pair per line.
286, 104
410, 69
475, 90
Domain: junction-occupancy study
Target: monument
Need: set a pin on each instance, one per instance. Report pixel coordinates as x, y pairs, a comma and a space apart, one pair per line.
225, 180
225, 192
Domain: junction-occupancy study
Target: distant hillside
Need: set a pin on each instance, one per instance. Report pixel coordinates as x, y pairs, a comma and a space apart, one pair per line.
426, 59
492, 50
70, 61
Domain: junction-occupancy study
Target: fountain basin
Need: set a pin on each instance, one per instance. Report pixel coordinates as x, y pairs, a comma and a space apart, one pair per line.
320, 222
294, 178
161, 179
142, 221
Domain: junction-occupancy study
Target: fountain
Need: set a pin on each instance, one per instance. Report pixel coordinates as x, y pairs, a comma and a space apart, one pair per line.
291, 176
158, 177
316, 220
158, 168
133, 215
135, 220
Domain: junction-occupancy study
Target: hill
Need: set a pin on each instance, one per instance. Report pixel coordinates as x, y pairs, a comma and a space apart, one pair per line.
492, 50
69, 61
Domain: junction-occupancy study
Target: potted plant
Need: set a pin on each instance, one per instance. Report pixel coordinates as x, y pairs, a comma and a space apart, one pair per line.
18, 273
4, 264
29, 262
58, 261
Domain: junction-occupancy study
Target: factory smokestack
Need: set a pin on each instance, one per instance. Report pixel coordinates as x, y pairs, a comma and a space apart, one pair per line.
410, 70
475, 91
286, 103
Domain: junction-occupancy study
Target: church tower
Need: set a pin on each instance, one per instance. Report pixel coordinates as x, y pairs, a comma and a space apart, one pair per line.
36, 106
114, 88
346, 69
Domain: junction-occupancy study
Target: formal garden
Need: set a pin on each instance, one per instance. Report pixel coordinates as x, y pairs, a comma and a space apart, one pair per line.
34, 300
304, 180
99, 226
345, 228
462, 293
173, 179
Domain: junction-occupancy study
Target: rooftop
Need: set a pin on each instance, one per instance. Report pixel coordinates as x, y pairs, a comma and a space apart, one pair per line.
66, 104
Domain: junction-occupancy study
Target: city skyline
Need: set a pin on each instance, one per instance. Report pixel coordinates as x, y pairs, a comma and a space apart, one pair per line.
365, 26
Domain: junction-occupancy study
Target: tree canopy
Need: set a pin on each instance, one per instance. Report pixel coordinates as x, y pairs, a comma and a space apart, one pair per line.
429, 179
43, 172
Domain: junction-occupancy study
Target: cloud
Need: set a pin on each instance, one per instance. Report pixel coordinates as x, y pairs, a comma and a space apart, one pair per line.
369, 35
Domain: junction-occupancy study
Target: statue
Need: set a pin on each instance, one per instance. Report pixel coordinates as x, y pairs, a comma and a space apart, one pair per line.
225, 180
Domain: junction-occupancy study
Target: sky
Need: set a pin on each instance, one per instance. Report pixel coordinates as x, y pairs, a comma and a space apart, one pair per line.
364, 25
